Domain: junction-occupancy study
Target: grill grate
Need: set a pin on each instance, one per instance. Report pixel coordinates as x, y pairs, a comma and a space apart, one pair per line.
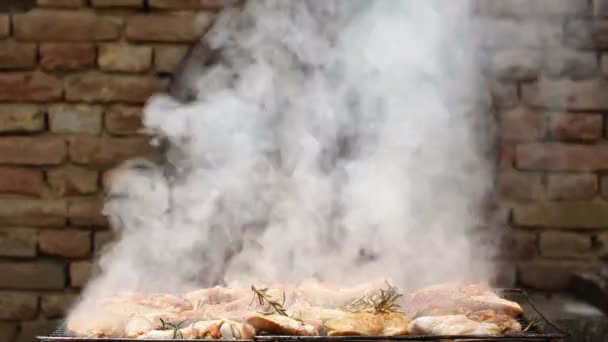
532, 335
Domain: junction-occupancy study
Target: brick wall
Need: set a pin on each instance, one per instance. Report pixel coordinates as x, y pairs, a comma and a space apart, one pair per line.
547, 63
73, 77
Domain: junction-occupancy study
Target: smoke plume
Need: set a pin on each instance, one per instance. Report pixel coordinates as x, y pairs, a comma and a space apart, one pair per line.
336, 140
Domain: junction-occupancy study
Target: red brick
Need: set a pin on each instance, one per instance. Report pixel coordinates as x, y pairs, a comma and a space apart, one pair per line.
20, 180
563, 244
64, 26
108, 151
34, 209
87, 212
504, 95
29, 86
571, 186
80, 273
98, 87
57, 305
66, 243
576, 126
32, 151
5, 25
517, 186
506, 158
67, 56
175, 4
61, 3
522, 124
8, 331
562, 157
516, 64
79, 119
567, 94
123, 120
167, 28
18, 242
15, 55
118, 3
548, 275
125, 58
36, 275
168, 58
568, 215
72, 180
18, 305
21, 118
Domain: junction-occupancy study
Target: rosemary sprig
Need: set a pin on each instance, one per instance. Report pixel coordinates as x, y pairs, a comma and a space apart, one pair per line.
264, 299
173, 326
382, 301
534, 324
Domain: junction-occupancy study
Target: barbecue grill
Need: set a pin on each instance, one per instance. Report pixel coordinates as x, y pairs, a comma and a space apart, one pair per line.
550, 332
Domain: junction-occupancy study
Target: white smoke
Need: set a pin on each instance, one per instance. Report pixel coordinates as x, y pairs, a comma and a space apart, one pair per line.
337, 140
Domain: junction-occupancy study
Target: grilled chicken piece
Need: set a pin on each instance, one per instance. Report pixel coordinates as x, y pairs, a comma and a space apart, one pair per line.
462, 325
138, 326
368, 324
315, 313
96, 324
184, 333
280, 325
455, 299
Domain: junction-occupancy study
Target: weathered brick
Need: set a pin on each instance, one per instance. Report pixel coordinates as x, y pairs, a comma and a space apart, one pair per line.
601, 244
168, 58
21, 180
57, 305
126, 58
67, 56
18, 242
122, 119
575, 215
547, 275
98, 87
506, 158
29, 86
33, 151
64, 26
528, 33
80, 272
103, 239
522, 124
5, 25
87, 212
15, 55
505, 275
600, 8
21, 118
29, 330
67, 243
567, 94
32, 208
32, 275
61, 3
587, 34
532, 9
518, 186
217, 4
108, 151
118, 3
168, 28
571, 186
516, 64
175, 4
564, 244
18, 305
561, 157
75, 119
8, 331
518, 245
576, 126
73, 180
504, 95
575, 65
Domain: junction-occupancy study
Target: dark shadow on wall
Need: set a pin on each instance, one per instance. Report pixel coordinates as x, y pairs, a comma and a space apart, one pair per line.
11, 6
